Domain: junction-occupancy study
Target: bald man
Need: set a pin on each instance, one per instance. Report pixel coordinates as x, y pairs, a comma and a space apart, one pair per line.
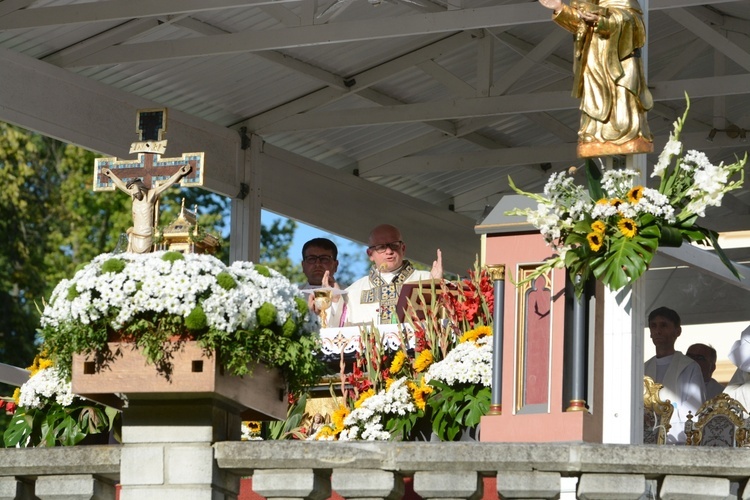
373, 298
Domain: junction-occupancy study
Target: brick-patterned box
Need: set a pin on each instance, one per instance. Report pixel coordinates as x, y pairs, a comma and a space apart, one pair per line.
261, 395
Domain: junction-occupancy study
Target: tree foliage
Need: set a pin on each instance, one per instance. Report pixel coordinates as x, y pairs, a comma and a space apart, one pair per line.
53, 223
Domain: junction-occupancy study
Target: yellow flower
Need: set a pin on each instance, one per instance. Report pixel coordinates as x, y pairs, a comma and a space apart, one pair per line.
338, 417
254, 426
423, 361
40, 363
483, 331
635, 194
362, 397
325, 432
598, 227
628, 227
595, 241
469, 336
398, 362
602, 201
17, 395
476, 333
420, 393
388, 382
616, 202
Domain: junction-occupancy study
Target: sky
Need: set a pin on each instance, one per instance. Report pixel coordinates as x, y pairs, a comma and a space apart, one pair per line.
305, 233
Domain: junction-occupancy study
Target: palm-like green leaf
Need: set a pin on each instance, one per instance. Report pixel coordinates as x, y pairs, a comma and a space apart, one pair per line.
627, 258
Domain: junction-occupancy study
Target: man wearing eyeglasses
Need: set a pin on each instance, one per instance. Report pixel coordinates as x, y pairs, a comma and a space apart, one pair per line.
319, 263
373, 298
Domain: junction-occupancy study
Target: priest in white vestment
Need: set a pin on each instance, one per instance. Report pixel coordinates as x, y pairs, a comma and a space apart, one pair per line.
373, 298
320, 263
681, 376
739, 385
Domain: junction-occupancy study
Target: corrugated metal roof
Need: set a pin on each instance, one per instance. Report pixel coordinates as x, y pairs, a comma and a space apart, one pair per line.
229, 88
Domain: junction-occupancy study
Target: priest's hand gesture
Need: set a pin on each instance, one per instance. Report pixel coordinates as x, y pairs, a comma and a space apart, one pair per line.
437, 267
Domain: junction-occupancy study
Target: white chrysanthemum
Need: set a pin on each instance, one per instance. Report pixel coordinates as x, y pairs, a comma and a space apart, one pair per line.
468, 363
148, 283
367, 421
44, 386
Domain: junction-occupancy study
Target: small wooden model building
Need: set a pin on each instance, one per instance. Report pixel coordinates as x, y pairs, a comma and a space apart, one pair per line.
184, 235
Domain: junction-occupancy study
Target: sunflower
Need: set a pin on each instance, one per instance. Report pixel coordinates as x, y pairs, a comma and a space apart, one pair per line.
254, 426
598, 227
325, 432
363, 397
616, 202
398, 362
627, 227
420, 393
635, 194
476, 333
602, 201
423, 361
595, 241
40, 363
338, 417
388, 382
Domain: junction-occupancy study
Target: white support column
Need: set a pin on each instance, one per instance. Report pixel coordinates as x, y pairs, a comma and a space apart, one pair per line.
167, 449
245, 218
624, 324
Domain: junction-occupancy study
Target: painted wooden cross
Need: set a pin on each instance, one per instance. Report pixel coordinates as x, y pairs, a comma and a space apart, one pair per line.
150, 168
147, 177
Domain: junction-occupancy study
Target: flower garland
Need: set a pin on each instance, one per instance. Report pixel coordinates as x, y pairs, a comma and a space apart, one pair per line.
612, 229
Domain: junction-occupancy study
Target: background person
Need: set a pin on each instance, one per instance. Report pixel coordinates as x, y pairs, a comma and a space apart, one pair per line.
680, 376
319, 264
705, 356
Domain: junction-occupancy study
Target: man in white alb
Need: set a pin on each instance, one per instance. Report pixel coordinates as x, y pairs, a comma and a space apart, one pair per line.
739, 385
373, 298
681, 376
320, 263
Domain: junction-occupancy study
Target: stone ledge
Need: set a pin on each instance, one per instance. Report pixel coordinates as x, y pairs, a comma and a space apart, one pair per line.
565, 458
100, 460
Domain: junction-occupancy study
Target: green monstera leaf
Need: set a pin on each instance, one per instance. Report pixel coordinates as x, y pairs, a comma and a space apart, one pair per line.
627, 258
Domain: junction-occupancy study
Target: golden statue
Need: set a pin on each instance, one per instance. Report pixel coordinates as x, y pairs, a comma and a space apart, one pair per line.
608, 75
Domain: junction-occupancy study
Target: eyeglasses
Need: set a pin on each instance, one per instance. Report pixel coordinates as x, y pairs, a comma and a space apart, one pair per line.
323, 259
394, 245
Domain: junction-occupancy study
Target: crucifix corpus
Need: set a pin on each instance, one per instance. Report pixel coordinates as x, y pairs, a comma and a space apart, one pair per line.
147, 177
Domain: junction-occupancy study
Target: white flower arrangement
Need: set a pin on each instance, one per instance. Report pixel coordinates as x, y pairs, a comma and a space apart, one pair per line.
49, 414
46, 385
148, 283
245, 312
612, 229
369, 421
468, 363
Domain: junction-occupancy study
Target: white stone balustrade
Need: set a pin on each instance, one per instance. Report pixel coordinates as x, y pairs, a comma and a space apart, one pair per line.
365, 470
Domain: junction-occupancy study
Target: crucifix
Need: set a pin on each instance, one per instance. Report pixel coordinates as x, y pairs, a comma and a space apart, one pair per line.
147, 177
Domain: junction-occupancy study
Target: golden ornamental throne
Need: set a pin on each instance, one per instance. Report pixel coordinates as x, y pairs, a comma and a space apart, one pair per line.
656, 413
720, 421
